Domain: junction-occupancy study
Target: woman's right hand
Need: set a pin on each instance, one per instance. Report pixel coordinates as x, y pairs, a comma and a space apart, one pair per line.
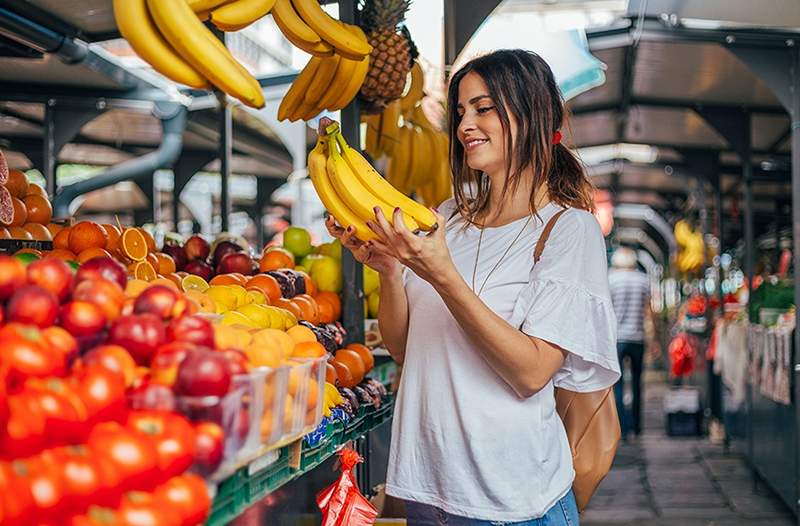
383, 264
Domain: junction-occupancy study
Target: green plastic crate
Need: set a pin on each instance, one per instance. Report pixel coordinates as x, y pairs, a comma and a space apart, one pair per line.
267, 480
229, 501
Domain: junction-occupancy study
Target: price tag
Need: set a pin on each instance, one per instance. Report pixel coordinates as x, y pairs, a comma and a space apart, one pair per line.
263, 462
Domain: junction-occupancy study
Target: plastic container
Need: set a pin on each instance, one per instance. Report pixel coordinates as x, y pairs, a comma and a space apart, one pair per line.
305, 396
270, 413
769, 317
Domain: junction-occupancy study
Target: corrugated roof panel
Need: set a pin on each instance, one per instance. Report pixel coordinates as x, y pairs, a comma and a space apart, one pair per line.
51, 70
592, 128
766, 129
650, 125
121, 127
88, 16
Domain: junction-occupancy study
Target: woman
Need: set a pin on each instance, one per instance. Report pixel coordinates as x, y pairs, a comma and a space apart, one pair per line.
483, 334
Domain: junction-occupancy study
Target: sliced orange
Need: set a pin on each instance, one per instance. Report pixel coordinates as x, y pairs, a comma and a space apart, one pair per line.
133, 245
193, 282
151, 243
166, 265
152, 259
175, 278
144, 270
161, 280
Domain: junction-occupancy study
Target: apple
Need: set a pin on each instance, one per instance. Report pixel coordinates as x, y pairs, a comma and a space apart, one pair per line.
12, 276
140, 334
237, 361
204, 373
151, 395
165, 302
178, 254
33, 305
224, 248
51, 274
82, 318
166, 360
200, 268
104, 293
115, 358
103, 267
196, 248
235, 262
193, 329
209, 445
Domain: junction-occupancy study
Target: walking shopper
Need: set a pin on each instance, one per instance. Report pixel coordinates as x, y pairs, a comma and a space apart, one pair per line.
483, 332
630, 293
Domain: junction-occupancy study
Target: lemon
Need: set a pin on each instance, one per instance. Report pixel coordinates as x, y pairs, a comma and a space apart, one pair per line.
237, 318
258, 314
240, 293
224, 298
276, 319
193, 282
372, 280
274, 338
257, 297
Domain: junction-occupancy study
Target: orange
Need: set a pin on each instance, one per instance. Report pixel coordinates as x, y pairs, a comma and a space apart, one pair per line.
308, 350
94, 252
312, 397
301, 333
114, 233
143, 270
333, 299
173, 277
166, 265
234, 278
61, 238
17, 232
275, 258
38, 231
294, 308
152, 259
54, 228
151, 243
20, 212
133, 244
17, 184
326, 313
343, 374
330, 374
308, 307
161, 280
365, 354
35, 189
134, 287
29, 251
86, 234
39, 209
61, 253
353, 361
267, 284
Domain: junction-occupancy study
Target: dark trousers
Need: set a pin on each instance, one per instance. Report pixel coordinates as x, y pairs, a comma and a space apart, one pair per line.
634, 351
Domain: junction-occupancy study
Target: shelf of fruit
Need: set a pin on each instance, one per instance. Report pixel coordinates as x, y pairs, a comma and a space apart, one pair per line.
134, 380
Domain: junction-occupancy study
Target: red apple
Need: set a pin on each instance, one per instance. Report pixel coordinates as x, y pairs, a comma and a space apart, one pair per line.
82, 318
33, 305
26, 353
166, 360
235, 262
52, 274
223, 248
115, 358
237, 361
194, 329
209, 445
160, 300
12, 276
103, 267
104, 293
178, 254
200, 268
140, 334
196, 248
151, 395
203, 373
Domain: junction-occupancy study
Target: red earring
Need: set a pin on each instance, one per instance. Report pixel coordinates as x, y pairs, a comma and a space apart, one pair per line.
557, 137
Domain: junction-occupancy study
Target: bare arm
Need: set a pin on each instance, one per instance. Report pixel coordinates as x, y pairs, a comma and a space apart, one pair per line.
393, 315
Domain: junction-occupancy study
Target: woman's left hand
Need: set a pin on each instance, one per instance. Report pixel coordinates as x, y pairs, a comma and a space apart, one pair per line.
428, 256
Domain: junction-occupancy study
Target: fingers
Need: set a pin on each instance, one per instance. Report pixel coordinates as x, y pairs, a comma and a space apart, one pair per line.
380, 226
399, 224
438, 228
333, 228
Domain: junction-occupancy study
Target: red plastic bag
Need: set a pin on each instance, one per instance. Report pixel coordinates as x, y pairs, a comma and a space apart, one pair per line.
682, 352
341, 503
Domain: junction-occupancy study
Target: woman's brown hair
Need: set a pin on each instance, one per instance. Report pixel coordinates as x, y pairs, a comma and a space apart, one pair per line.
522, 85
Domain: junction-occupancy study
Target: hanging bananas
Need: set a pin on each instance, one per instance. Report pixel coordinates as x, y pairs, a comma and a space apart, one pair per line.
691, 247
350, 188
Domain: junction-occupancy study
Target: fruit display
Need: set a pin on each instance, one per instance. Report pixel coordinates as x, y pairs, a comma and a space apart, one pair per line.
418, 153
25, 211
350, 188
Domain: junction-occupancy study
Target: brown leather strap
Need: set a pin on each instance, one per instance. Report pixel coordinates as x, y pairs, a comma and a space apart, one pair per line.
537, 252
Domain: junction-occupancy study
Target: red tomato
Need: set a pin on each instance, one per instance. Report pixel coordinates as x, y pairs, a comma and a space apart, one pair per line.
26, 353
103, 392
45, 484
15, 496
142, 509
188, 496
131, 454
66, 413
80, 473
62, 341
115, 358
24, 433
96, 516
171, 434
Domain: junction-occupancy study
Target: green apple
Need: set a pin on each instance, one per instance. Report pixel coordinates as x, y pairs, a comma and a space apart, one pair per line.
308, 261
297, 241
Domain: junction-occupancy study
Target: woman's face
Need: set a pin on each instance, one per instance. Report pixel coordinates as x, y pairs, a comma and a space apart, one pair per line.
480, 130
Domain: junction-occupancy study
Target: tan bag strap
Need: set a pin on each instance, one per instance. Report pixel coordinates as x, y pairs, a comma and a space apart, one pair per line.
537, 252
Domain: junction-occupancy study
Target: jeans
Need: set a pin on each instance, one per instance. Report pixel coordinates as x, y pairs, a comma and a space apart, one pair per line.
562, 513
634, 351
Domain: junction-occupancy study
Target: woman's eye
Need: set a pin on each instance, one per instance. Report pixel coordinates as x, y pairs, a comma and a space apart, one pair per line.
485, 109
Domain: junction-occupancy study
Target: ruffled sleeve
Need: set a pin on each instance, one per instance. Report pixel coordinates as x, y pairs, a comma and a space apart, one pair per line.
567, 303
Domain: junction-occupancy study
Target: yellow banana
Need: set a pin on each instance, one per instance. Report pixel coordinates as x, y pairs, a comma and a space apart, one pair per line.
356, 80
353, 192
297, 31
240, 13
341, 78
294, 97
137, 27
196, 44
373, 123
443, 187
416, 89
322, 79
331, 30
381, 188
398, 170
317, 170
205, 5
390, 129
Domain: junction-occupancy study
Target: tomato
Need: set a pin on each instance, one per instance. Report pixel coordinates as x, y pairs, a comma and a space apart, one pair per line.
115, 358
62, 341
188, 496
132, 455
142, 509
103, 392
96, 516
80, 473
171, 434
26, 353
15, 497
66, 414
45, 484
24, 432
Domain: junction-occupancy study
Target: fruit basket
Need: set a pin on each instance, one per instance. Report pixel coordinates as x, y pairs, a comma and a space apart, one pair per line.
304, 398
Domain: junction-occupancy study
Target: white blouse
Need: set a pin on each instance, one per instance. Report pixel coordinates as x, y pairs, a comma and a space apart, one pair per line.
462, 440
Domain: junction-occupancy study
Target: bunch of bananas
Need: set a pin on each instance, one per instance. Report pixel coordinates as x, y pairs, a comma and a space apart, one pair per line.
339, 62
691, 247
350, 188
171, 37
418, 153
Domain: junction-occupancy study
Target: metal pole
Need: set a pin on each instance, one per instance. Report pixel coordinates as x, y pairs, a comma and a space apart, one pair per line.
747, 180
225, 153
261, 198
352, 272
795, 117
49, 146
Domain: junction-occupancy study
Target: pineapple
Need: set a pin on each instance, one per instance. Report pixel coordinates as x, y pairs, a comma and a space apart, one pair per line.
391, 57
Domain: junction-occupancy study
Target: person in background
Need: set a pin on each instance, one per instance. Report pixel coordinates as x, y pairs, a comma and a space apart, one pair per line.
630, 295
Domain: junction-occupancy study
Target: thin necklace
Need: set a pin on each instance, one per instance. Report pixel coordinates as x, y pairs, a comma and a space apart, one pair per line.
478, 255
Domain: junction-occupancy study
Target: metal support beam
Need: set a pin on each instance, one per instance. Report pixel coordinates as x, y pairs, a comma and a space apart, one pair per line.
265, 187
795, 116
148, 215
225, 153
187, 165
627, 91
61, 125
